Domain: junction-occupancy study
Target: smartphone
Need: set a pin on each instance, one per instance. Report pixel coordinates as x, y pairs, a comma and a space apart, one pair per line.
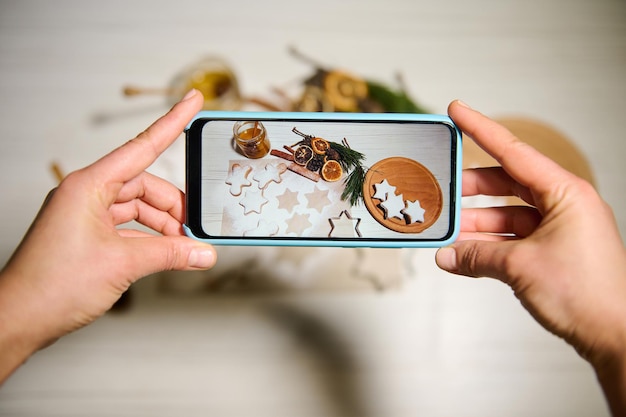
323, 179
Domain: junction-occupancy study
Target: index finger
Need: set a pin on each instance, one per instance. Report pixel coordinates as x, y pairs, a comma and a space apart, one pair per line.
521, 161
132, 158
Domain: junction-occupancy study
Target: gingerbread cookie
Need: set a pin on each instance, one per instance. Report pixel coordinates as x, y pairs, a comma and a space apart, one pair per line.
270, 173
238, 178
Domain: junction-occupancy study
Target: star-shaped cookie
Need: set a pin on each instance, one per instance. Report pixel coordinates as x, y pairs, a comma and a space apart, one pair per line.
318, 199
253, 201
298, 224
238, 178
383, 190
414, 212
288, 200
393, 206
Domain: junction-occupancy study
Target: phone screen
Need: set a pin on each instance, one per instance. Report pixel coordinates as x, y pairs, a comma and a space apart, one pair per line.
347, 180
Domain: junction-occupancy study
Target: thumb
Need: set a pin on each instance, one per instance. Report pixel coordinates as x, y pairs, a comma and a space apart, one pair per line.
475, 258
164, 253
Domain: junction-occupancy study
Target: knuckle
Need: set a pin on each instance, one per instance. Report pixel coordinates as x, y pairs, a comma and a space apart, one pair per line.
469, 261
176, 257
501, 260
518, 258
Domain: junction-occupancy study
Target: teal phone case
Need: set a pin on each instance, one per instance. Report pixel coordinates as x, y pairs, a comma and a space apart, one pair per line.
200, 149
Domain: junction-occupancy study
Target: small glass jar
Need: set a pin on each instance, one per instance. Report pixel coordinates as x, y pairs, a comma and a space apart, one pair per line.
251, 139
214, 78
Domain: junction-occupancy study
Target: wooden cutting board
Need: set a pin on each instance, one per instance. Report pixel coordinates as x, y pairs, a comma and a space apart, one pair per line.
411, 179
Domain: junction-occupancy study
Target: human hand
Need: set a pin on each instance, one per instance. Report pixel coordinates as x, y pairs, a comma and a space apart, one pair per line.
562, 255
74, 263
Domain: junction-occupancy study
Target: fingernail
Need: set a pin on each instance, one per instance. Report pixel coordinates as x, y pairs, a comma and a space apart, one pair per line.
189, 94
201, 258
463, 104
446, 258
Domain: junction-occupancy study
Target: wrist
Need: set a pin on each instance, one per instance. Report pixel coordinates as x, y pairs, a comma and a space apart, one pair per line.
18, 335
611, 374
609, 365
13, 352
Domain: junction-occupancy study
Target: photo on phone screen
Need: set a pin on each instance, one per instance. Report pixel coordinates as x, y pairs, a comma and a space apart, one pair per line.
347, 180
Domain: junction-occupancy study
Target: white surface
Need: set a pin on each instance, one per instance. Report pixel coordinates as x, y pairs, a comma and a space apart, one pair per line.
443, 345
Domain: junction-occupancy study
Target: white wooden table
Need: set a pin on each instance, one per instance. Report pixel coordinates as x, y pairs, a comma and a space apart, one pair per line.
441, 345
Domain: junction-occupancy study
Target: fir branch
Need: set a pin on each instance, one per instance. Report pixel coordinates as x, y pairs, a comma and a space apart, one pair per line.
352, 162
353, 190
349, 157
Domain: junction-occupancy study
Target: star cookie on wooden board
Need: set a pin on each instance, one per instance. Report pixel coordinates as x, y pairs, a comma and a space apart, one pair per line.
270, 173
253, 201
414, 212
393, 206
344, 225
383, 190
238, 178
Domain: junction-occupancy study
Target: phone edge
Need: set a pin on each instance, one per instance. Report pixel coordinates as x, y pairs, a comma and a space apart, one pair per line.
435, 118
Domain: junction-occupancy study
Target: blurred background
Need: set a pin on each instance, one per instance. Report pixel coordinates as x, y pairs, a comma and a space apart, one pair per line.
391, 336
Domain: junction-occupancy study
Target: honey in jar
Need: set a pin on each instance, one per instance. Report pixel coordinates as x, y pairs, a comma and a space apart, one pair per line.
214, 78
212, 84
251, 139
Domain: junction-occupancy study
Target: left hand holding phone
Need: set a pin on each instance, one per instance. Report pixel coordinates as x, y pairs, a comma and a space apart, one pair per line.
74, 262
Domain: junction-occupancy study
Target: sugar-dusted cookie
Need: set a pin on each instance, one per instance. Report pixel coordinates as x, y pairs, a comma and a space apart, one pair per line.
414, 212
253, 201
238, 178
263, 229
270, 173
383, 190
393, 206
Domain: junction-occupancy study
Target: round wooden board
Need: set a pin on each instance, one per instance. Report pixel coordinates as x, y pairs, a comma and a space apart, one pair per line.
411, 179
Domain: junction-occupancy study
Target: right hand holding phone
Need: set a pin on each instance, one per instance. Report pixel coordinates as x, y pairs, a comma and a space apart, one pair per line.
562, 255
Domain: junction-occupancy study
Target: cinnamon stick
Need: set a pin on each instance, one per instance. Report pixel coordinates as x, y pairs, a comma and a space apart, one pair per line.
281, 154
299, 169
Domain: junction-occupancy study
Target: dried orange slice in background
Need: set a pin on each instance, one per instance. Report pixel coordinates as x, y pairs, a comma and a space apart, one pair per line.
331, 171
344, 91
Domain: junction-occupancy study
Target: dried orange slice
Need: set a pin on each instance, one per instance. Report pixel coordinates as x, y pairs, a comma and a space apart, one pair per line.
331, 170
319, 145
344, 91
303, 154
